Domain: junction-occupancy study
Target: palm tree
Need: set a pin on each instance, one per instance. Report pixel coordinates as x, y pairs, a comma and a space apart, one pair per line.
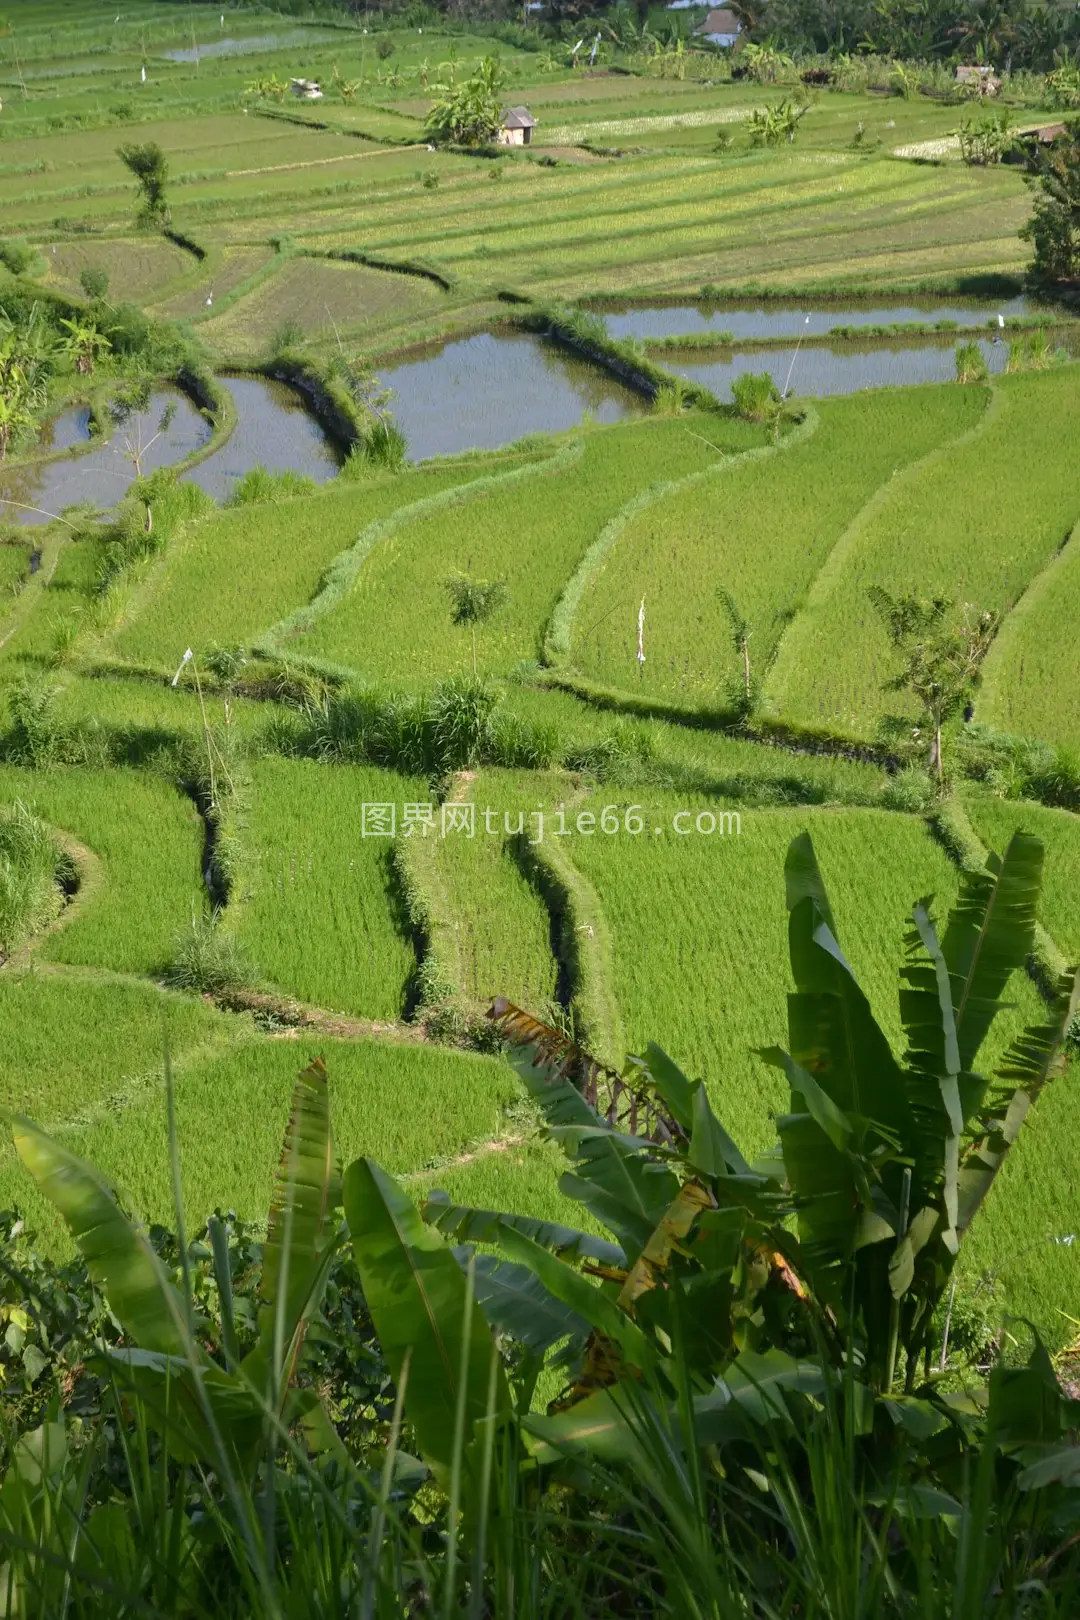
990, 29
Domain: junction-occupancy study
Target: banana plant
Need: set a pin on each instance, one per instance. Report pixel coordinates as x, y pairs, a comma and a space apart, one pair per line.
888, 1160
735, 1280
221, 1415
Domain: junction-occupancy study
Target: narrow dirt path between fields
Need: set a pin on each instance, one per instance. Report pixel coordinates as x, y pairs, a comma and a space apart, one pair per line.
318, 163
300, 1018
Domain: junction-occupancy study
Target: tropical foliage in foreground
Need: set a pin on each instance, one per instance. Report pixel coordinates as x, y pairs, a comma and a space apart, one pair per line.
753, 1417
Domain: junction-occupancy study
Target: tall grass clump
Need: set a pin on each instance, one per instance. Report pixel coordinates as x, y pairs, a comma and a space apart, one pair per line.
259, 484
383, 449
208, 959
755, 396
460, 724
971, 364
34, 873
153, 511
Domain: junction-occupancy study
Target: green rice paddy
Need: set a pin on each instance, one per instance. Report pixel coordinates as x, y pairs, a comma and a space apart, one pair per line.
676, 936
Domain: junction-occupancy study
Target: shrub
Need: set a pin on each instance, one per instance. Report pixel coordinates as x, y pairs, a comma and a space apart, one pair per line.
385, 48
258, 484
769, 126
1064, 85
384, 449
94, 281
755, 396
18, 256
209, 960
670, 399
986, 140
910, 789
35, 736
1054, 228
971, 364
288, 336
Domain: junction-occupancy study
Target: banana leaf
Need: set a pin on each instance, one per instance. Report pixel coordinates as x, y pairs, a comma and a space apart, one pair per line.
990, 934
601, 1312
302, 1230
118, 1254
486, 1225
418, 1298
1031, 1062
516, 1303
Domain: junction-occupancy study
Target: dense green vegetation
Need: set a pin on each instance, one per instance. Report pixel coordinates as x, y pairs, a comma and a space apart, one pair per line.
786, 1315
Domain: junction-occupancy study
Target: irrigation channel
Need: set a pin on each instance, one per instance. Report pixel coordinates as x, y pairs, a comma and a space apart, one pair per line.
247, 46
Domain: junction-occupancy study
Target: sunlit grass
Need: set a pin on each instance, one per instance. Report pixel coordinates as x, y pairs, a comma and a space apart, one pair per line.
315, 902
976, 525
148, 840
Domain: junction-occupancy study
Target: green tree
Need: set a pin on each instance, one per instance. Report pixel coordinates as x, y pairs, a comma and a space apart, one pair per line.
94, 281
150, 167
941, 660
469, 114
83, 343
474, 601
1054, 228
741, 632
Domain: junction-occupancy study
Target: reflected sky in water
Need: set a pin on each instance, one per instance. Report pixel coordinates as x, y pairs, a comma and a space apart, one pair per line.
789, 320
102, 474
489, 390
273, 430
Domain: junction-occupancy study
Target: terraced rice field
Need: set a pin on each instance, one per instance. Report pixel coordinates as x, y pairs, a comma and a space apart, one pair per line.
500, 927
137, 269
320, 296
529, 528
142, 877
280, 549
688, 937
665, 934
955, 526
231, 1110
1029, 688
123, 1030
315, 904
790, 506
